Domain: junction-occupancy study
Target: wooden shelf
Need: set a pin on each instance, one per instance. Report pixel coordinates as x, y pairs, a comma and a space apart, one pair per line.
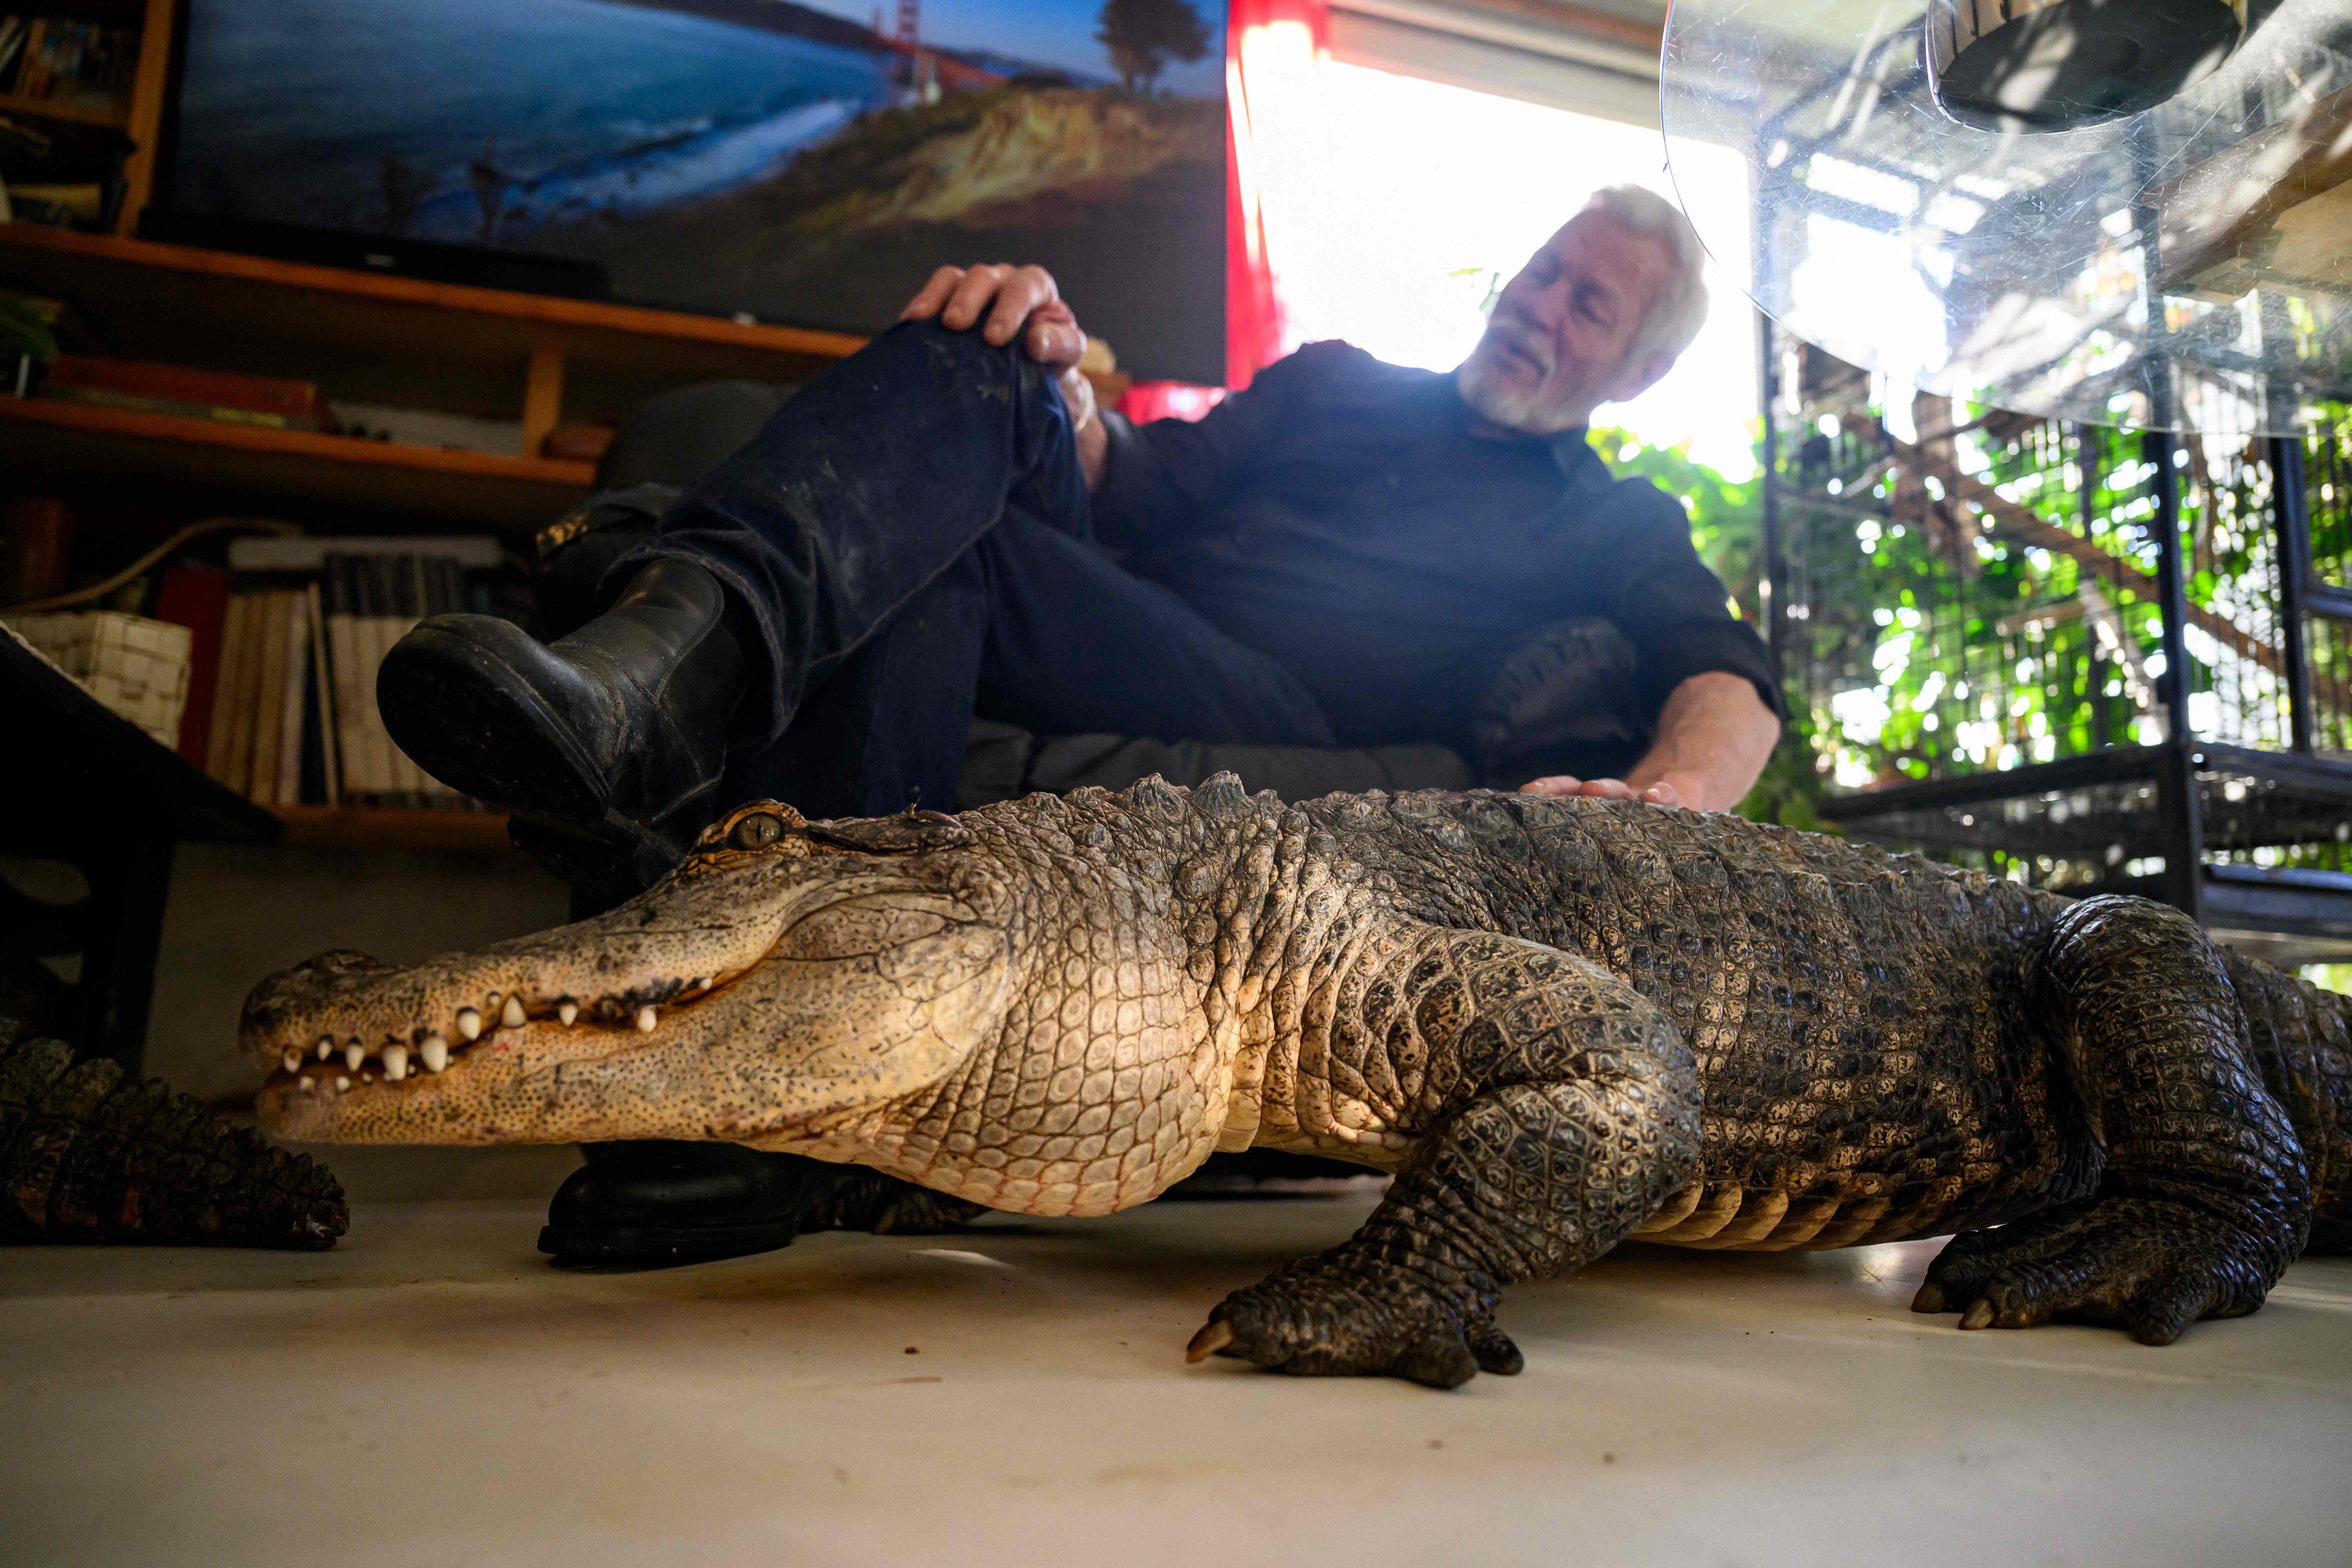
385, 827
479, 321
51, 109
70, 438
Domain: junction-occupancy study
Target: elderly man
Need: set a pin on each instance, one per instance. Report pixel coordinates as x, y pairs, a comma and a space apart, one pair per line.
1348, 553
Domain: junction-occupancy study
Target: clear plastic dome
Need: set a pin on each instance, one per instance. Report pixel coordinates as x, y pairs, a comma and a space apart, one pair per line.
2188, 267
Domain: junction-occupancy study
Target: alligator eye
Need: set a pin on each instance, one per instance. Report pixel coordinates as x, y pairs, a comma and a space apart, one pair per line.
758, 831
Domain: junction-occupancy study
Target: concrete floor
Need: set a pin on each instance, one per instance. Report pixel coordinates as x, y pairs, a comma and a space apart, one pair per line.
432, 1393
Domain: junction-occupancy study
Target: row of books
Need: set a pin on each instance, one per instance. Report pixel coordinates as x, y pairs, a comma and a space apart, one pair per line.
273, 402
60, 60
282, 685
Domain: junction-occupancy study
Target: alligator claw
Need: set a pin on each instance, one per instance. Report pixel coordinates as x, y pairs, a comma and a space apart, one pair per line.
1339, 1314
1213, 1337
2150, 1265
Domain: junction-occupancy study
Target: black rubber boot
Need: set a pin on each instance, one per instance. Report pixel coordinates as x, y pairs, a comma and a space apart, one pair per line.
661, 1201
617, 732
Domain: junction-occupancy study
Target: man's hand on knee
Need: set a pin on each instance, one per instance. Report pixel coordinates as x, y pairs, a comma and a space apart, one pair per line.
1006, 302
1021, 304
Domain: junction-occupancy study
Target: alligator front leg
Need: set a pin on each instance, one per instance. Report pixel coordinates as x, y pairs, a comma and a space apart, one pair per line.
1563, 1109
2205, 1198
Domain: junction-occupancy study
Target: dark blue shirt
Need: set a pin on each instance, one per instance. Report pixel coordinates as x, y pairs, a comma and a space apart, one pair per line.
1341, 516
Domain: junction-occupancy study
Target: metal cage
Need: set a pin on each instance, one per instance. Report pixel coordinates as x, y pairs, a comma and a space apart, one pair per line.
2085, 658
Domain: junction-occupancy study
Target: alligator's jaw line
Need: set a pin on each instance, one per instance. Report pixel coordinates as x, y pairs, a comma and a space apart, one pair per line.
334, 1069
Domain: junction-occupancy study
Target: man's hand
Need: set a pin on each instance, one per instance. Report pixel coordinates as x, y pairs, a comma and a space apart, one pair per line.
1715, 735
1659, 793
1021, 303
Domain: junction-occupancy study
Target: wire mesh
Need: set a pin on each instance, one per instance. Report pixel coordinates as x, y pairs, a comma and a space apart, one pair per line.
1985, 595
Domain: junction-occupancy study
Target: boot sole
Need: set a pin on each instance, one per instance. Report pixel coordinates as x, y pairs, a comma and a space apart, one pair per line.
468, 717
662, 1243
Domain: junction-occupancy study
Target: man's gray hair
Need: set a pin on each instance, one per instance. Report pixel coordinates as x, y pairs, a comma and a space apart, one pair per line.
1678, 309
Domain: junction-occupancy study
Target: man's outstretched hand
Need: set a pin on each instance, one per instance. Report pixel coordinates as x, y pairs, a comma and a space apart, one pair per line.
1659, 793
1024, 305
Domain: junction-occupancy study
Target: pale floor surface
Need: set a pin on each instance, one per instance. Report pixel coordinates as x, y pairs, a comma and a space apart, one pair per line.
430, 1392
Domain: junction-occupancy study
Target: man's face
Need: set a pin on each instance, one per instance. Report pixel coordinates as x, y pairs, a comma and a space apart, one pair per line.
1562, 338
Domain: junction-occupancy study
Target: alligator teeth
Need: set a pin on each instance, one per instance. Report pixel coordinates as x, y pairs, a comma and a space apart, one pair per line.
342, 1084
469, 1022
566, 1011
705, 983
492, 1000
435, 1053
512, 1018
646, 1020
293, 1060
395, 1062
353, 1056
325, 1047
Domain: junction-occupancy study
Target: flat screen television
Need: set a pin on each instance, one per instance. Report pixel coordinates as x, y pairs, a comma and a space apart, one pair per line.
805, 164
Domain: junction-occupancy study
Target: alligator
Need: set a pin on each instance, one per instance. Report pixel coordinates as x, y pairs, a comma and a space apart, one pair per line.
88, 1153
1557, 1023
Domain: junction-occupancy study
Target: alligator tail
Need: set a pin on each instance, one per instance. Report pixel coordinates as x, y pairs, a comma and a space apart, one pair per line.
2302, 1037
86, 1155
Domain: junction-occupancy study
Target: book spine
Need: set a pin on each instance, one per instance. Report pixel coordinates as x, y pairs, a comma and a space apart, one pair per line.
405, 604
11, 42
174, 408
34, 71
196, 598
241, 697
220, 739
295, 681
268, 690
343, 653
382, 781
292, 400
322, 670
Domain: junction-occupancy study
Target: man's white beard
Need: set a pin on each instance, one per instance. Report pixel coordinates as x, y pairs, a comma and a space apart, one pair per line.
1514, 405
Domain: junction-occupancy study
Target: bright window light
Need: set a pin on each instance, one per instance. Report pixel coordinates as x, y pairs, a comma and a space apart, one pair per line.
1438, 192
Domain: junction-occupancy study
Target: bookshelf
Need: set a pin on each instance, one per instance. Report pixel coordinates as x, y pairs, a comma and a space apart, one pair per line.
520, 493
14, 104
365, 338
142, 117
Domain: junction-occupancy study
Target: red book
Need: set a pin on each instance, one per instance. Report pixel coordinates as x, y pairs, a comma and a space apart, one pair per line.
260, 393
35, 548
196, 597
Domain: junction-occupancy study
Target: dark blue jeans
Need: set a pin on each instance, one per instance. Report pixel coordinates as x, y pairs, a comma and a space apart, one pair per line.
909, 540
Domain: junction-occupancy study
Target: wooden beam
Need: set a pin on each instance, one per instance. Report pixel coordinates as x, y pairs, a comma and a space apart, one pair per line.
147, 85
542, 397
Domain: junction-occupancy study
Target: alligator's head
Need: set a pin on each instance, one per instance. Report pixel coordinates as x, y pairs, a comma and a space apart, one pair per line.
786, 979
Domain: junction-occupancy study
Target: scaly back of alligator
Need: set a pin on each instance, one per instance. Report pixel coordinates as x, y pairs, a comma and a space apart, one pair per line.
2303, 1042
1899, 990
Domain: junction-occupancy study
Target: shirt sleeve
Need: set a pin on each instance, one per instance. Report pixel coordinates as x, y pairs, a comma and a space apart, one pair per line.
1673, 610
1163, 480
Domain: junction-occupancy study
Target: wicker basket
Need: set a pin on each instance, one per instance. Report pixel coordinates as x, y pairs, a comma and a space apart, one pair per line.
135, 666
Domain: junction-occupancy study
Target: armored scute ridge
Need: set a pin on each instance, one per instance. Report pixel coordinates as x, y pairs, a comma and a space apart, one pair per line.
86, 1155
